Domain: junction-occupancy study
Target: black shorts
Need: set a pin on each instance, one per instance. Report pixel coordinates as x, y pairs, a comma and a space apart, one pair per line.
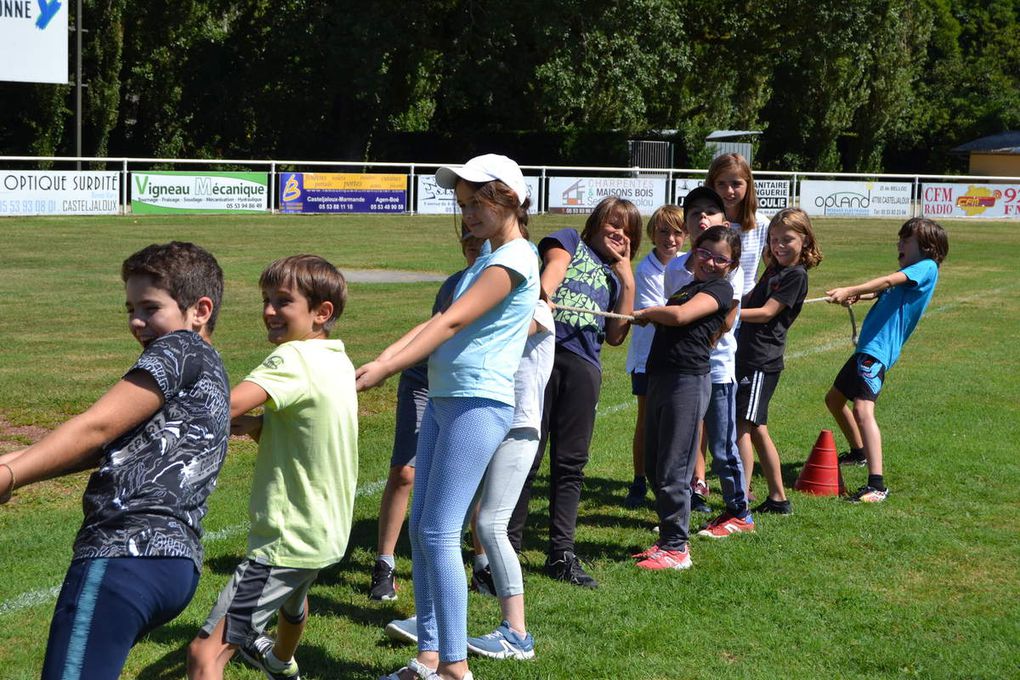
639, 384
754, 392
861, 377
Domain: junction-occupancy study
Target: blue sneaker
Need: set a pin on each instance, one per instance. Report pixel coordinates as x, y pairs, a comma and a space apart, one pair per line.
503, 643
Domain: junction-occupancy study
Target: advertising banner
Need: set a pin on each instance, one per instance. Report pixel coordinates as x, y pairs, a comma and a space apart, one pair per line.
856, 199
773, 194
432, 199
33, 41
970, 200
195, 192
44, 192
579, 195
335, 192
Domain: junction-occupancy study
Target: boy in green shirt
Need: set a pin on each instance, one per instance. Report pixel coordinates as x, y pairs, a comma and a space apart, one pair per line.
305, 476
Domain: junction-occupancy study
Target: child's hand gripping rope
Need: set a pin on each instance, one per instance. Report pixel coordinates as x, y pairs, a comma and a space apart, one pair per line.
840, 296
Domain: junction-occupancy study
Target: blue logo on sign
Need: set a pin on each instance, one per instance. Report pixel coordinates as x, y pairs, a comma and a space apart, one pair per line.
47, 10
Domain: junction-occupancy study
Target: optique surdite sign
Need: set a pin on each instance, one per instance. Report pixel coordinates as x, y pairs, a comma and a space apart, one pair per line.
856, 199
59, 192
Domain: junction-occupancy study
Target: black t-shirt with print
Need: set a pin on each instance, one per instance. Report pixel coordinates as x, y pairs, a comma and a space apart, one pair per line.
148, 497
686, 349
760, 346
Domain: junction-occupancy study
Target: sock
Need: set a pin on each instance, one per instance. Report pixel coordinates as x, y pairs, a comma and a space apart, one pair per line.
857, 453
275, 664
388, 559
481, 562
876, 482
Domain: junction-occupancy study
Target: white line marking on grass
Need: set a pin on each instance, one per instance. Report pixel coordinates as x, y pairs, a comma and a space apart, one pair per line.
30, 599
34, 598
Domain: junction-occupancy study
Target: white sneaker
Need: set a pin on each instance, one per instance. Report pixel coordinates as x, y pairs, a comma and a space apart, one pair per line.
403, 630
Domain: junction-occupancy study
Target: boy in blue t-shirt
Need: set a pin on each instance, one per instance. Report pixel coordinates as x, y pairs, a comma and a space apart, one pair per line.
903, 297
158, 438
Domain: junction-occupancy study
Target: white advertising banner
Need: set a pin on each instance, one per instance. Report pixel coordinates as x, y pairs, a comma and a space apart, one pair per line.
773, 194
970, 200
33, 41
579, 195
44, 192
856, 199
432, 199
188, 192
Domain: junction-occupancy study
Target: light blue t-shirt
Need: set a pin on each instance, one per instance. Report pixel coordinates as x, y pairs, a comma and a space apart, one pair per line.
480, 360
893, 317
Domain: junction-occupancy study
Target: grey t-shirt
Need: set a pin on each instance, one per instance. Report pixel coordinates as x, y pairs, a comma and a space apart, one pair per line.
148, 497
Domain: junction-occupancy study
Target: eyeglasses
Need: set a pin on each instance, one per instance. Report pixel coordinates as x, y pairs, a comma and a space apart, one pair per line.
716, 259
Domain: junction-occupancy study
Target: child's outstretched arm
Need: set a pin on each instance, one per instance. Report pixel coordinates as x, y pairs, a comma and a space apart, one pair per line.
491, 286
763, 314
850, 294
77, 444
698, 306
243, 398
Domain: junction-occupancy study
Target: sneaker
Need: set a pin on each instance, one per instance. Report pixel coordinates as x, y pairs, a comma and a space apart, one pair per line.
699, 503
568, 568
254, 652
647, 552
869, 494
849, 458
664, 558
775, 507
503, 643
384, 582
420, 670
636, 495
726, 524
482, 583
403, 630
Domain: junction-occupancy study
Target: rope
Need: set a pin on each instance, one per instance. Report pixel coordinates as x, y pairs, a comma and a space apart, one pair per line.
595, 312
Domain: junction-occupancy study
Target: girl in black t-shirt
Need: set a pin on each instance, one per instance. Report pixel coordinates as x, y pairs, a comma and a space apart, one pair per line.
765, 317
679, 386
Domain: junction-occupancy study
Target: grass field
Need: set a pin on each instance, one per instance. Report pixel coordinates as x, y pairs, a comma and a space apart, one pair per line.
925, 585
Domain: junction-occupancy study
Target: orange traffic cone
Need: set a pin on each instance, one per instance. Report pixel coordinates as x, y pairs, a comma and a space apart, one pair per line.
820, 475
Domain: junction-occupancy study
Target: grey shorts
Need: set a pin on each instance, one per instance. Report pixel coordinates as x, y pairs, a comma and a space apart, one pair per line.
255, 592
412, 397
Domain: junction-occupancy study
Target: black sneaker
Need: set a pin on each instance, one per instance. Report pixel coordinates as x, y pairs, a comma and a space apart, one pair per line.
254, 653
636, 495
699, 503
384, 582
482, 583
567, 567
850, 458
775, 507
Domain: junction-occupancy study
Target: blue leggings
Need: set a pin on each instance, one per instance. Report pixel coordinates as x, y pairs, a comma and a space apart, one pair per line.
108, 604
457, 439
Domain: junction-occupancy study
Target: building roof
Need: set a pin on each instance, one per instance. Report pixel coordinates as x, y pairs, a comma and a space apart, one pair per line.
1004, 142
729, 134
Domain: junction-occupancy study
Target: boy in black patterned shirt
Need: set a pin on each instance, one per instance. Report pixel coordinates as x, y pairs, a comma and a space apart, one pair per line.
158, 437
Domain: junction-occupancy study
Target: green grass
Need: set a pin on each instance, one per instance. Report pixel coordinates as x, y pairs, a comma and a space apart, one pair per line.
924, 585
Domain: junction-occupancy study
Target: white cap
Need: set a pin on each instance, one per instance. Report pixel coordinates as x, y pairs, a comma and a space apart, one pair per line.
485, 168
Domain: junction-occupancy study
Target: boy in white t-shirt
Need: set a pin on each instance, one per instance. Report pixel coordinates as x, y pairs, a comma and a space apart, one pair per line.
703, 208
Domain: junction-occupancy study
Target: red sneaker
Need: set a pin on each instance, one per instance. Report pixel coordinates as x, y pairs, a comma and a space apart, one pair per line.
726, 524
667, 559
647, 552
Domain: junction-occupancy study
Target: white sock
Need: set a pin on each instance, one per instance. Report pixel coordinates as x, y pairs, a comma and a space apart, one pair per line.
274, 663
481, 562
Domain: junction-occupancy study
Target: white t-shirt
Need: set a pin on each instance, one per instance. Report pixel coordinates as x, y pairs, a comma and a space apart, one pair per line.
647, 293
722, 357
534, 370
751, 244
